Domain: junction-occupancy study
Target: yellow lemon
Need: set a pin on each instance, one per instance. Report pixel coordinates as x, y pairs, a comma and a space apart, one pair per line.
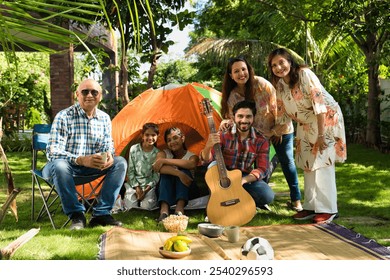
180, 246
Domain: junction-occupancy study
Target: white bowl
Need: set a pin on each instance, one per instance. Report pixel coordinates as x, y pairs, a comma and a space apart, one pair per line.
210, 230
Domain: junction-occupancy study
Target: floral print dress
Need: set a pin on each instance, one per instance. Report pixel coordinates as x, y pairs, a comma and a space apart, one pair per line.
302, 104
139, 171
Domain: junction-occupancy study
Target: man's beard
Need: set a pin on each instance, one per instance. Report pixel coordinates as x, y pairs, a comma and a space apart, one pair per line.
247, 127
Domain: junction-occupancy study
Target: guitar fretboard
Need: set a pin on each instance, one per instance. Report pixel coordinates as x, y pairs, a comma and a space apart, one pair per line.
224, 180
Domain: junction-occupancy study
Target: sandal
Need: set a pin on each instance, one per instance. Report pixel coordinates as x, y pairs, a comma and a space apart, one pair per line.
294, 208
162, 217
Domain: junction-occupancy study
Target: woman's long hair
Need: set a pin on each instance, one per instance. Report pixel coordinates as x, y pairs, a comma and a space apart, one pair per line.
229, 84
294, 67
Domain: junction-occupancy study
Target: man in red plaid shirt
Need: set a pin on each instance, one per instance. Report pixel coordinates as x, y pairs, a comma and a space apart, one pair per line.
244, 148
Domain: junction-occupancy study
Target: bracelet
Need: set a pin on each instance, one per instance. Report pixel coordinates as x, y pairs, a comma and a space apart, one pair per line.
321, 135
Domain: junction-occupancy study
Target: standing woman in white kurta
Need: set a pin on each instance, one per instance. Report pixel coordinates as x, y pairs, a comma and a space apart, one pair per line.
320, 135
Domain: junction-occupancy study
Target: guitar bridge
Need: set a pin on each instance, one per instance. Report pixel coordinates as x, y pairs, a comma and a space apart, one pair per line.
230, 202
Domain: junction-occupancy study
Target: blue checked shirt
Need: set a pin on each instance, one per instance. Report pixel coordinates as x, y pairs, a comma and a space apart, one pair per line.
73, 134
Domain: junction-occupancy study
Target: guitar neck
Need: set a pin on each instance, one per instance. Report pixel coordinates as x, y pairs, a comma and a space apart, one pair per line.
218, 151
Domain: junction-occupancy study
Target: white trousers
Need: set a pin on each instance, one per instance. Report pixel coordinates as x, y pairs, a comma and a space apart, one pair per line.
320, 193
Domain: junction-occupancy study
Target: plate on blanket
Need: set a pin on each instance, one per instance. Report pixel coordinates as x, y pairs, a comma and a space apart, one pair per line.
174, 255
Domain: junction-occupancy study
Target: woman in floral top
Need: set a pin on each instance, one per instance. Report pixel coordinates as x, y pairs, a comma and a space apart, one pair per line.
320, 137
240, 83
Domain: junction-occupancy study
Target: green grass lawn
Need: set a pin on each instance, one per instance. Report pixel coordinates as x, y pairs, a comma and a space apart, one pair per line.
363, 183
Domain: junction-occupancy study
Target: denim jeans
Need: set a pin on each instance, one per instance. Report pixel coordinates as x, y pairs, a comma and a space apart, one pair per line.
171, 189
260, 191
285, 154
61, 172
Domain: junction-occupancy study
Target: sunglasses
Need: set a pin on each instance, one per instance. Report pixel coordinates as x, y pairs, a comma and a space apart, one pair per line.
94, 92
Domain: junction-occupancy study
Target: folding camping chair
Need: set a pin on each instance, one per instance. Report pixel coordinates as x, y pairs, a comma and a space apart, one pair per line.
47, 191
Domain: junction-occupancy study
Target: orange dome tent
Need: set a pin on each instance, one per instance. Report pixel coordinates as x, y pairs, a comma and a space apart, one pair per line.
172, 105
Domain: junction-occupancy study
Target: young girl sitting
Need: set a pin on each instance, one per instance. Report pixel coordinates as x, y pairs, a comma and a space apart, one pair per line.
141, 178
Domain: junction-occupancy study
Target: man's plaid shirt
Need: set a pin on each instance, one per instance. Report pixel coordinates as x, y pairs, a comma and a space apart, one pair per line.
250, 155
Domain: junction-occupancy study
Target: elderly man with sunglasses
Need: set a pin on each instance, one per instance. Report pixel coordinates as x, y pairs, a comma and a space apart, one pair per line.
80, 138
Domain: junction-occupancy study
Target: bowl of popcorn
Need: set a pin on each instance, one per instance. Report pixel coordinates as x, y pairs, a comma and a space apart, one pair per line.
175, 223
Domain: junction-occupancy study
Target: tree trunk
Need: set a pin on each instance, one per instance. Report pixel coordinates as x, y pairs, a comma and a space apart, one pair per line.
153, 60
123, 91
373, 135
152, 70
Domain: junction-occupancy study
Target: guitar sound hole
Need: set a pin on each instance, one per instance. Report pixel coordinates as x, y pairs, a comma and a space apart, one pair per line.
225, 182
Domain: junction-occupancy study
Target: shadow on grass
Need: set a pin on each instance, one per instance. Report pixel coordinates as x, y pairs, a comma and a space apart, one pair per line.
363, 183
361, 155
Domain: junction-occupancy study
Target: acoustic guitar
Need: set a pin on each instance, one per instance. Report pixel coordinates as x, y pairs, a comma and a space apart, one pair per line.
229, 203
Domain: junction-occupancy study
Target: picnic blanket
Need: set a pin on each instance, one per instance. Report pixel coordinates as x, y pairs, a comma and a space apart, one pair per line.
290, 242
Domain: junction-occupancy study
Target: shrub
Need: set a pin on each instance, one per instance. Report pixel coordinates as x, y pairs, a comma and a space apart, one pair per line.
16, 142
